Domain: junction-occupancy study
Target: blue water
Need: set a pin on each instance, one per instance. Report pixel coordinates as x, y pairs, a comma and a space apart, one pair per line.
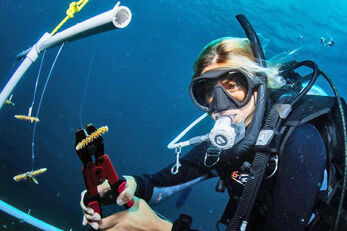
138, 87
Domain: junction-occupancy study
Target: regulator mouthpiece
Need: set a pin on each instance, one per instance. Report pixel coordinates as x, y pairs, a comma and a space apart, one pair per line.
225, 133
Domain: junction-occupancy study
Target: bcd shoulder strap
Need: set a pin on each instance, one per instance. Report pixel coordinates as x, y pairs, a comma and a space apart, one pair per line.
267, 142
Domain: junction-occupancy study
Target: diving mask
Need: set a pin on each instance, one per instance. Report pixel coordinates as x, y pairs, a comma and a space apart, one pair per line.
221, 89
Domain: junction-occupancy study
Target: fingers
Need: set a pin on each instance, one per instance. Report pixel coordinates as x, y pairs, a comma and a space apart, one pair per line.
94, 225
93, 217
128, 194
131, 184
124, 197
84, 208
92, 220
89, 217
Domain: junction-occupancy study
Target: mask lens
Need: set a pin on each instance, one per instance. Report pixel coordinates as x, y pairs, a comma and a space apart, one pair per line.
201, 90
234, 83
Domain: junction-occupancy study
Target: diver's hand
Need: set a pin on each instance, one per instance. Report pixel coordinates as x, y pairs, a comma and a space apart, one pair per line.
140, 217
89, 216
129, 191
104, 190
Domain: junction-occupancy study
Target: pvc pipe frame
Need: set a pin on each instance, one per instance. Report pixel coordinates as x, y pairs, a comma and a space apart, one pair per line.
26, 217
118, 17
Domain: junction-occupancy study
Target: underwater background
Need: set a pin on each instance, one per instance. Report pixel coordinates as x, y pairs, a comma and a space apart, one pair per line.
138, 86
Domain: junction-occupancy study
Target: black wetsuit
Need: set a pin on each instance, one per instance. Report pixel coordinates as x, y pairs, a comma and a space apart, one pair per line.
293, 189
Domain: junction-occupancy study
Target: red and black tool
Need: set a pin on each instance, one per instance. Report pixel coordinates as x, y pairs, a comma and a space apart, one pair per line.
95, 173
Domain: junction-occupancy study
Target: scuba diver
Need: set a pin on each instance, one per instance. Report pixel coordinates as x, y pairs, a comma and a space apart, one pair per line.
278, 150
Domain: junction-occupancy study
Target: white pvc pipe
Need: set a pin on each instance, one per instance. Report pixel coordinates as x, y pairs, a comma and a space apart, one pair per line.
118, 17
29, 59
26, 217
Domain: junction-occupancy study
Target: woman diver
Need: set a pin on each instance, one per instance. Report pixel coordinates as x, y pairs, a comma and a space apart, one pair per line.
233, 85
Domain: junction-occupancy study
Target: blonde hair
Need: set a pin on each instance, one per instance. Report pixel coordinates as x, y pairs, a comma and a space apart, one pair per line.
235, 52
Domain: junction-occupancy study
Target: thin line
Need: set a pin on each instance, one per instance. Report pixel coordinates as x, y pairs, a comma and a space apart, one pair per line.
85, 89
38, 109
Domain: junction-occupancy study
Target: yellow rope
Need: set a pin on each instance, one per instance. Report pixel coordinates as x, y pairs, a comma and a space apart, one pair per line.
74, 7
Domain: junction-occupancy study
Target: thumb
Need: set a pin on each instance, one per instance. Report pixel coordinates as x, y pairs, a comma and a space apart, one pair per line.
128, 194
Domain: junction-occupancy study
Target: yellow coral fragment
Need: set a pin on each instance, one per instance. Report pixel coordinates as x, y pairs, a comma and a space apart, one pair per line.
91, 137
30, 175
9, 101
28, 118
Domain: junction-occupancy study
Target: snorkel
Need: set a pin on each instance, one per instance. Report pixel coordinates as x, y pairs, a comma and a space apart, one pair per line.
258, 116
